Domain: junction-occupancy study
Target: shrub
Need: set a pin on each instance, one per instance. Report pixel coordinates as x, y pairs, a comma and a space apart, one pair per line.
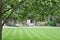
52, 23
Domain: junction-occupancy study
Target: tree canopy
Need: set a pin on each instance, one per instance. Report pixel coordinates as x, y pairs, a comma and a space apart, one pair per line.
36, 9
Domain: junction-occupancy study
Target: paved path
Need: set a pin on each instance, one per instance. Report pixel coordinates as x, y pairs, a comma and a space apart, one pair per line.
30, 27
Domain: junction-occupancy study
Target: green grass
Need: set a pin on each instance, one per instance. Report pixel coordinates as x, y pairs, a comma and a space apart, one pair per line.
31, 34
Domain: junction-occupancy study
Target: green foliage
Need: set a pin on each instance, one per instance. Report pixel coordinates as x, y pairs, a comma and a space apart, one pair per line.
52, 23
36, 9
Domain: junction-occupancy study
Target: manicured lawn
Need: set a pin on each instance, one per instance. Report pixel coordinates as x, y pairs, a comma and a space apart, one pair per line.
31, 34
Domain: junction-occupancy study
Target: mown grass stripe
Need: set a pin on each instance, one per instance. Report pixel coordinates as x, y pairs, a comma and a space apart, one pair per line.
5, 36
34, 35
4, 30
9, 36
28, 33
12, 37
31, 34
48, 34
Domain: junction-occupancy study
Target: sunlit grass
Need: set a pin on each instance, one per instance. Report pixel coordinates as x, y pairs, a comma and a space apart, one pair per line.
31, 34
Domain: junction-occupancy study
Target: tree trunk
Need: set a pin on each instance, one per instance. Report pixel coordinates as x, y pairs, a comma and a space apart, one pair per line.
1, 20
1, 25
0, 29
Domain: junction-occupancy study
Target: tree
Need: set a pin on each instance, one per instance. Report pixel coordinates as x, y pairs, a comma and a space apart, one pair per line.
0, 19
